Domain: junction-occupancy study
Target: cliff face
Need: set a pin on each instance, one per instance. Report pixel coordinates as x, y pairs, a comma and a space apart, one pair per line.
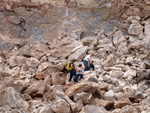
39, 37
45, 20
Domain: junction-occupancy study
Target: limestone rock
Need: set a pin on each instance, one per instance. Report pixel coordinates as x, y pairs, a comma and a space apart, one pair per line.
85, 97
12, 98
109, 95
79, 54
130, 73
16, 60
109, 61
46, 109
80, 87
104, 103
36, 89
122, 102
32, 62
116, 73
43, 66
59, 94
118, 37
135, 29
93, 109
60, 106
14, 20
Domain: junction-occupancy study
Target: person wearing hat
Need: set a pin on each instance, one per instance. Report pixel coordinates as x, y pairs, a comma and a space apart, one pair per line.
73, 71
87, 61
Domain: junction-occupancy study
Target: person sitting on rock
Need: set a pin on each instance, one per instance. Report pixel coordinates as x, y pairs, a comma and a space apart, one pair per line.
80, 72
73, 71
87, 61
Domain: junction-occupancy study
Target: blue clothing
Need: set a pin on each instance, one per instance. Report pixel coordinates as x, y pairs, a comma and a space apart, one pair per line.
73, 73
79, 75
87, 66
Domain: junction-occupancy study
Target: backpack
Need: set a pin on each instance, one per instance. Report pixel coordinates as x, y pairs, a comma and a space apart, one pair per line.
68, 66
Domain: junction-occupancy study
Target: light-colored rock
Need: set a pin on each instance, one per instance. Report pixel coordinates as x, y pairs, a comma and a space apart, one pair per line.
1, 60
59, 94
36, 88
93, 109
116, 74
118, 37
16, 60
14, 20
130, 73
109, 62
46, 109
109, 95
12, 98
32, 62
85, 97
129, 60
81, 87
79, 54
135, 29
104, 103
43, 66
60, 106
121, 103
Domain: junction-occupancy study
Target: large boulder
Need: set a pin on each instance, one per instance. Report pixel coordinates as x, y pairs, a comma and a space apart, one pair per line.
85, 97
36, 89
79, 54
46, 109
93, 109
12, 98
59, 94
81, 87
122, 102
16, 61
118, 37
61, 106
135, 29
105, 103
32, 62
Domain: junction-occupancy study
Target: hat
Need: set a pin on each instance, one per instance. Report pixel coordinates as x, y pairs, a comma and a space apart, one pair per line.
73, 59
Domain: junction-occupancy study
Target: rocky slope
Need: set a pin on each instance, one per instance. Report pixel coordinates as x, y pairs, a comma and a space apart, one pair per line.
39, 37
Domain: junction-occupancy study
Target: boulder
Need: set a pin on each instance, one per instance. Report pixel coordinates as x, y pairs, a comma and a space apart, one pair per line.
89, 41
16, 61
115, 73
79, 54
129, 60
85, 97
32, 62
59, 94
14, 20
1, 59
81, 87
118, 37
135, 29
36, 89
61, 106
39, 46
109, 95
104, 103
12, 98
129, 74
109, 61
46, 109
43, 66
122, 102
93, 109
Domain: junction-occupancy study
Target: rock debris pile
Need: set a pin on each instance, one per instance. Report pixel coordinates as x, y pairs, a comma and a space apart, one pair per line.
33, 78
